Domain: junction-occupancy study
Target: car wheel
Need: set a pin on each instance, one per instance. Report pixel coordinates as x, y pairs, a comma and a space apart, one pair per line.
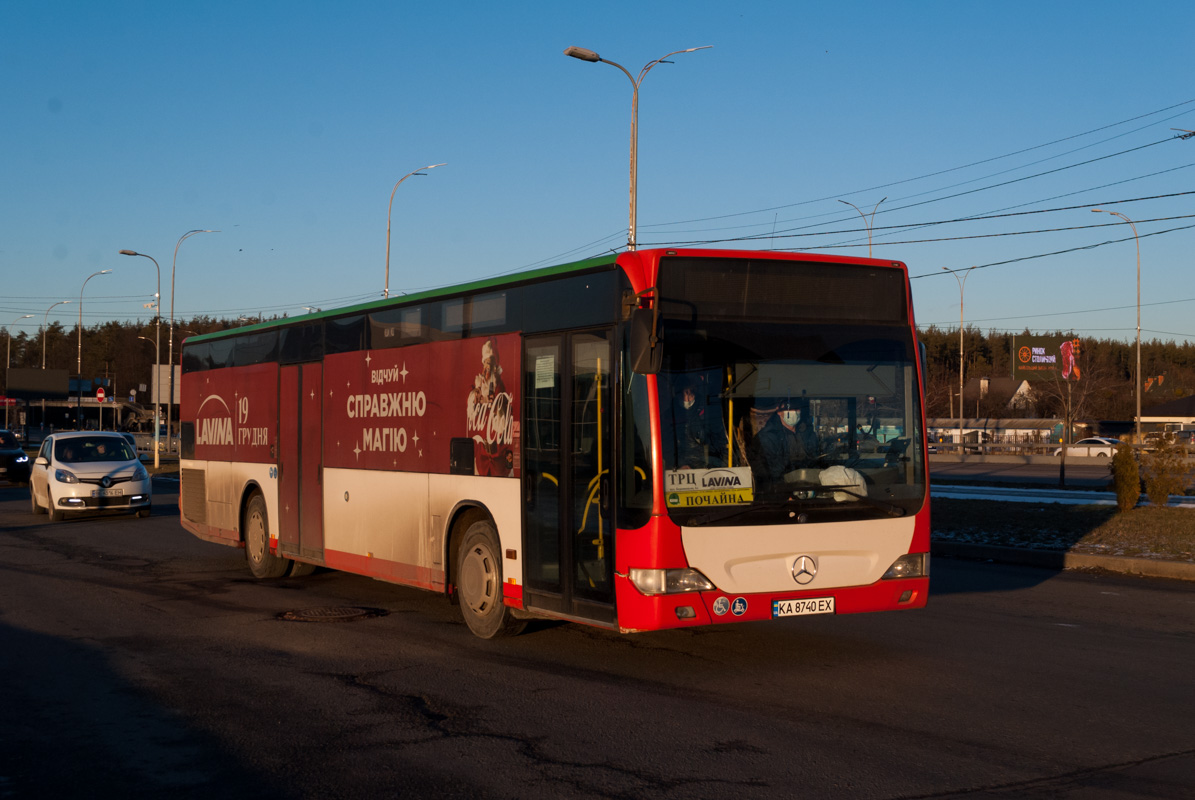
256, 527
479, 583
1101, 455
53, 510
144, 512
34, 506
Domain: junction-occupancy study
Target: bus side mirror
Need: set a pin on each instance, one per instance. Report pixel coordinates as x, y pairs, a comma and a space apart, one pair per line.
646, 355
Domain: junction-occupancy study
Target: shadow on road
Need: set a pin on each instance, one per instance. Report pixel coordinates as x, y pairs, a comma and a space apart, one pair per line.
973, 576
73, 727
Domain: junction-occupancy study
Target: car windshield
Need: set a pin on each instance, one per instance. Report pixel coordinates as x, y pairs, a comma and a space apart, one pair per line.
8, 441
84, 449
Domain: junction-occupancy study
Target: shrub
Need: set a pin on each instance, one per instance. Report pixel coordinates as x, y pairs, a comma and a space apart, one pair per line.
1165, 471
1125, 477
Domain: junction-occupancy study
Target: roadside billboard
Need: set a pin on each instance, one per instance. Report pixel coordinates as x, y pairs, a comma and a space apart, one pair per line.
1048, 358
38, 384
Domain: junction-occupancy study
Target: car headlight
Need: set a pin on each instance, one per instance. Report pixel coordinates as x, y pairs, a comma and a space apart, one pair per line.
62, 476
140, 473
669, 581
22, 459
911, 565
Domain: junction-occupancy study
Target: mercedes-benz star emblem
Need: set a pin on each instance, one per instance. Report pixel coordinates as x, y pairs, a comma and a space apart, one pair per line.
804, 569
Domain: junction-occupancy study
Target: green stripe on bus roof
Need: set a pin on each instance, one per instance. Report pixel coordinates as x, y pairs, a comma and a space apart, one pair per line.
431, 294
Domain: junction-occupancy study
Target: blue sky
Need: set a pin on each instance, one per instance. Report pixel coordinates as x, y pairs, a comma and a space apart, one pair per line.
286, 125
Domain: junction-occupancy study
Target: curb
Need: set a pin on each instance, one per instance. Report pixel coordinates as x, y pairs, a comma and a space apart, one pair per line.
1060, 559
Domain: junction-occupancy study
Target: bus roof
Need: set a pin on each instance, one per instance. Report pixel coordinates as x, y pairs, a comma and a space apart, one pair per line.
531, 275
430, 294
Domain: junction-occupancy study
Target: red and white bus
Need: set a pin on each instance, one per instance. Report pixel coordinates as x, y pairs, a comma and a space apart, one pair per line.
648, 440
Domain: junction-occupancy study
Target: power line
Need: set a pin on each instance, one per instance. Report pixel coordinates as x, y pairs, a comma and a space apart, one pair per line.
787, 233
941, 172
1013, 233
1068, 313
1059, 252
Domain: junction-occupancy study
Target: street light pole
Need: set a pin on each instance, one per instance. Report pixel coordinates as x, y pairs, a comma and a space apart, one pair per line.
386, 290
1138, 243
866, 220
79, 364
157, 352
170, 398
8, 364
588, 55
46, 335
961, 283
46, 330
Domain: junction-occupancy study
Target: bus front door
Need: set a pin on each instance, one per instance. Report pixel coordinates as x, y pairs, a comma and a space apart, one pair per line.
567, 436
300, 495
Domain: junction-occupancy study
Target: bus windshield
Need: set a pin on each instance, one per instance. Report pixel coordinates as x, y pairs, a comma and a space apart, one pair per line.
768, 421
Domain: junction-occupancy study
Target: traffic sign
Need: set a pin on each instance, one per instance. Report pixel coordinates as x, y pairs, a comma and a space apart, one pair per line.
99, 394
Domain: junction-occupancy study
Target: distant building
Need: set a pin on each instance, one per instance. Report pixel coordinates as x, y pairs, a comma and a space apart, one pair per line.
1172, 416
989, 393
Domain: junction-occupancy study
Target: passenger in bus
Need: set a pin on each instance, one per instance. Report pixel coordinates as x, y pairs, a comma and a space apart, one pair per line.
700, 440
786, 442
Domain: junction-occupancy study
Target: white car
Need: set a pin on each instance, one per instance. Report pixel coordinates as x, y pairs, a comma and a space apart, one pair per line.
1098, 446
88, 471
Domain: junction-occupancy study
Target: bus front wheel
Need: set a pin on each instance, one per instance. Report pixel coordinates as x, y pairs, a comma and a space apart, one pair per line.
479, 584
262, 563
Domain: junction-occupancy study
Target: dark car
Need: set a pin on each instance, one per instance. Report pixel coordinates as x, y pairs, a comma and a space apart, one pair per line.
14, 464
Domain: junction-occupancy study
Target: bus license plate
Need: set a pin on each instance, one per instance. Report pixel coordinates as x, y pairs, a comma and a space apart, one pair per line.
802, 606
106, 492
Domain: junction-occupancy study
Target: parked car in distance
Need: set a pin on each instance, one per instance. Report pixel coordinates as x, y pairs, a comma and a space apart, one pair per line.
88, 471
14, 463
1097, 446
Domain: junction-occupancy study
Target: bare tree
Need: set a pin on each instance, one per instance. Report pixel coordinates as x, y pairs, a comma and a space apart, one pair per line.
1073, 399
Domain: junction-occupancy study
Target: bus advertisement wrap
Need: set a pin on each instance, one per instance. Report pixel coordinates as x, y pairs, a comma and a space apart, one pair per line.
398, 409
383, 409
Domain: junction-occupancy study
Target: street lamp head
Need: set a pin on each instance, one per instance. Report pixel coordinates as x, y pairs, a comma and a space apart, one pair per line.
583, 54
129, 253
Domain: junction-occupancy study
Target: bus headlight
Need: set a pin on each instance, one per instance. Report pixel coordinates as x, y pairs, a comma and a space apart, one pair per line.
911, 565
669, 581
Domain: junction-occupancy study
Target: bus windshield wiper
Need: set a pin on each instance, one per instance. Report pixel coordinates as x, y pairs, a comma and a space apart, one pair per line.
814, 488
888, 508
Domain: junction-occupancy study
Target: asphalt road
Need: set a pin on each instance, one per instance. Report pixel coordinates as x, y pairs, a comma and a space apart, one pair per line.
139, 661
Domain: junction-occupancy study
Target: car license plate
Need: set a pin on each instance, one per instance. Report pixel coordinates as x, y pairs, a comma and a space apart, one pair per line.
106, 492
802, 606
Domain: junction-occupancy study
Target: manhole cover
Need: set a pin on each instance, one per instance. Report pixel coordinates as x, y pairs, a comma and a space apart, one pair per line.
332, 614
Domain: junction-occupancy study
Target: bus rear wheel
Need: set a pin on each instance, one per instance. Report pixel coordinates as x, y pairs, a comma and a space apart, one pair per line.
479, 584
256, 527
